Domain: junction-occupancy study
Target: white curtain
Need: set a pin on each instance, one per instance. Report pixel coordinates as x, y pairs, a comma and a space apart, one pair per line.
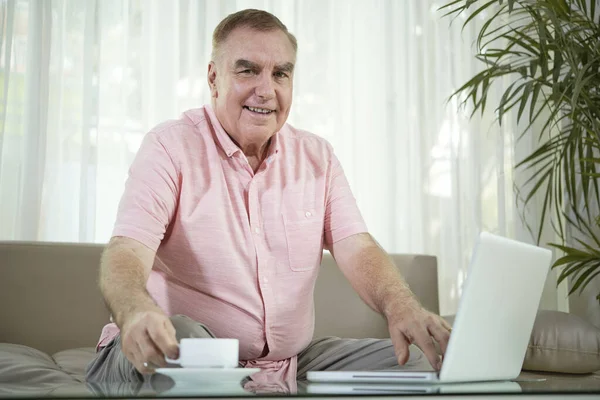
82, 81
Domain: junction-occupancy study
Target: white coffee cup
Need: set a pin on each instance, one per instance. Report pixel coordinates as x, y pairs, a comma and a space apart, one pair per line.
207, 353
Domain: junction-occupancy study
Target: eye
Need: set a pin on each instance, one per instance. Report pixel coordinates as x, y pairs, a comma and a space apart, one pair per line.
246, 72
281, 74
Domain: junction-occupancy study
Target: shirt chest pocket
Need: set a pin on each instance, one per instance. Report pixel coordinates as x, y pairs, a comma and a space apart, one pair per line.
304, 238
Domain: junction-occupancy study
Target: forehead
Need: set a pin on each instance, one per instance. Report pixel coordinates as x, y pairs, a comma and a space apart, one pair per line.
260, 47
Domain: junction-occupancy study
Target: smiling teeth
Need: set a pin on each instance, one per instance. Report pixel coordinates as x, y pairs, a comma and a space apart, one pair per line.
259, 110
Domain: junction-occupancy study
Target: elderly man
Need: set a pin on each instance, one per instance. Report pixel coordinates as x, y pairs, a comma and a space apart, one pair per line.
222, 225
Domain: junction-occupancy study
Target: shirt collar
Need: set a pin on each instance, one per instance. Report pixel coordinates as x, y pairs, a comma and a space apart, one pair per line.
228, 145
223, 139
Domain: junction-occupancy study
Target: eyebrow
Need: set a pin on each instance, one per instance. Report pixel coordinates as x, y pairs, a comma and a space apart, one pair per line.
245, 64
287, 67
241, 63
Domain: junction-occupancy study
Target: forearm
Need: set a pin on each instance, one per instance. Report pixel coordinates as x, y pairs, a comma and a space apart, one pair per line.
123, 276
379, 283
375, 277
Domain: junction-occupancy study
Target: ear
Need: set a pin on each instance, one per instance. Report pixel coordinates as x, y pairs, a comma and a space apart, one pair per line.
212, 79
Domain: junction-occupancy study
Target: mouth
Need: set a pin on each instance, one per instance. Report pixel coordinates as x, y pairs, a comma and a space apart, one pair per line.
259, 110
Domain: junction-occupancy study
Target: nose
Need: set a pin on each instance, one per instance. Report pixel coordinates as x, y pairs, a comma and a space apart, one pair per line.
265, 89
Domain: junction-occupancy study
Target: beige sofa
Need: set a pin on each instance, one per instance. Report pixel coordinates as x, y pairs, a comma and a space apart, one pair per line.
51, 311
50, 302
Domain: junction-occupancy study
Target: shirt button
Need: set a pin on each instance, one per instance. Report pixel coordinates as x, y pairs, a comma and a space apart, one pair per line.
257, 230
265, 280
308, 214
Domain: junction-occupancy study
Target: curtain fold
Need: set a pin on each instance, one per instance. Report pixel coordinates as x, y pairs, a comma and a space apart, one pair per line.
83, 81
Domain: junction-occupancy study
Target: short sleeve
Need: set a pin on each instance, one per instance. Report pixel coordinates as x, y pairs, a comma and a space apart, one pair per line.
342, 216
150, 197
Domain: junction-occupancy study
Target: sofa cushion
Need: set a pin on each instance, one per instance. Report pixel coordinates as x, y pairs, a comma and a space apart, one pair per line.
561, 342
75, 361
19, 364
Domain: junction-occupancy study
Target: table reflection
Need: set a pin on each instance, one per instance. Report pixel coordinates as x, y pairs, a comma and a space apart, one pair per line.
414, 389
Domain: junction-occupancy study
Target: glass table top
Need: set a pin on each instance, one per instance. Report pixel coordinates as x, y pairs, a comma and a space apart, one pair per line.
159, 385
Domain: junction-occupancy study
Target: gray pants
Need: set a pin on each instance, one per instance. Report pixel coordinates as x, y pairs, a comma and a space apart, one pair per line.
330, 353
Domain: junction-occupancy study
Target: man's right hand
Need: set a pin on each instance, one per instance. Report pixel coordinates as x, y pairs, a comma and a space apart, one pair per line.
147, 337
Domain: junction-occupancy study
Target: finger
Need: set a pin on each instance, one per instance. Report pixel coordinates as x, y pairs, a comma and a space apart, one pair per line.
132, 352
424, 341
143, 368
446, 325
170, 328
401, 347
441, 335
150, 353
137, 360
164, 339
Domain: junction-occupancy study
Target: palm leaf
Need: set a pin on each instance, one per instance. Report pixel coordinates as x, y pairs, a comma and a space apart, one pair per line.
573, 270
588, 280
478, 11
524, 98
569, 259
584, 275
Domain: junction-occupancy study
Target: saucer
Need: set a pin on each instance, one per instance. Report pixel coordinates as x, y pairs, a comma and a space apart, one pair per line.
215, 376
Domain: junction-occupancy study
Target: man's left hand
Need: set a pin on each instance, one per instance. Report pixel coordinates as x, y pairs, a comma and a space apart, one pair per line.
412, 324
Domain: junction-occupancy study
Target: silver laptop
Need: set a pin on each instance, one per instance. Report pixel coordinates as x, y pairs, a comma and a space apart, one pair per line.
495, 317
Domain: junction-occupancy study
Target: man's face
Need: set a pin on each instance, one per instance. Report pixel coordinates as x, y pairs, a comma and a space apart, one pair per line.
251, 83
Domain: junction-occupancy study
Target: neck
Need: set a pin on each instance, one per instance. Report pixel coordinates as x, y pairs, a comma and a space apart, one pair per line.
254, 152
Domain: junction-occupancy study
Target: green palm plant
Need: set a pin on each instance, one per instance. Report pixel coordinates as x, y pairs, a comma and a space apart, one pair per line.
550, 52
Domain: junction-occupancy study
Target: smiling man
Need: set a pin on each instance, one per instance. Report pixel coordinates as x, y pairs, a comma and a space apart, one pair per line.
222, 225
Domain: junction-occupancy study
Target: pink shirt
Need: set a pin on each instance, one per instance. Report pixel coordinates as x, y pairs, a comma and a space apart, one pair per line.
236, 250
